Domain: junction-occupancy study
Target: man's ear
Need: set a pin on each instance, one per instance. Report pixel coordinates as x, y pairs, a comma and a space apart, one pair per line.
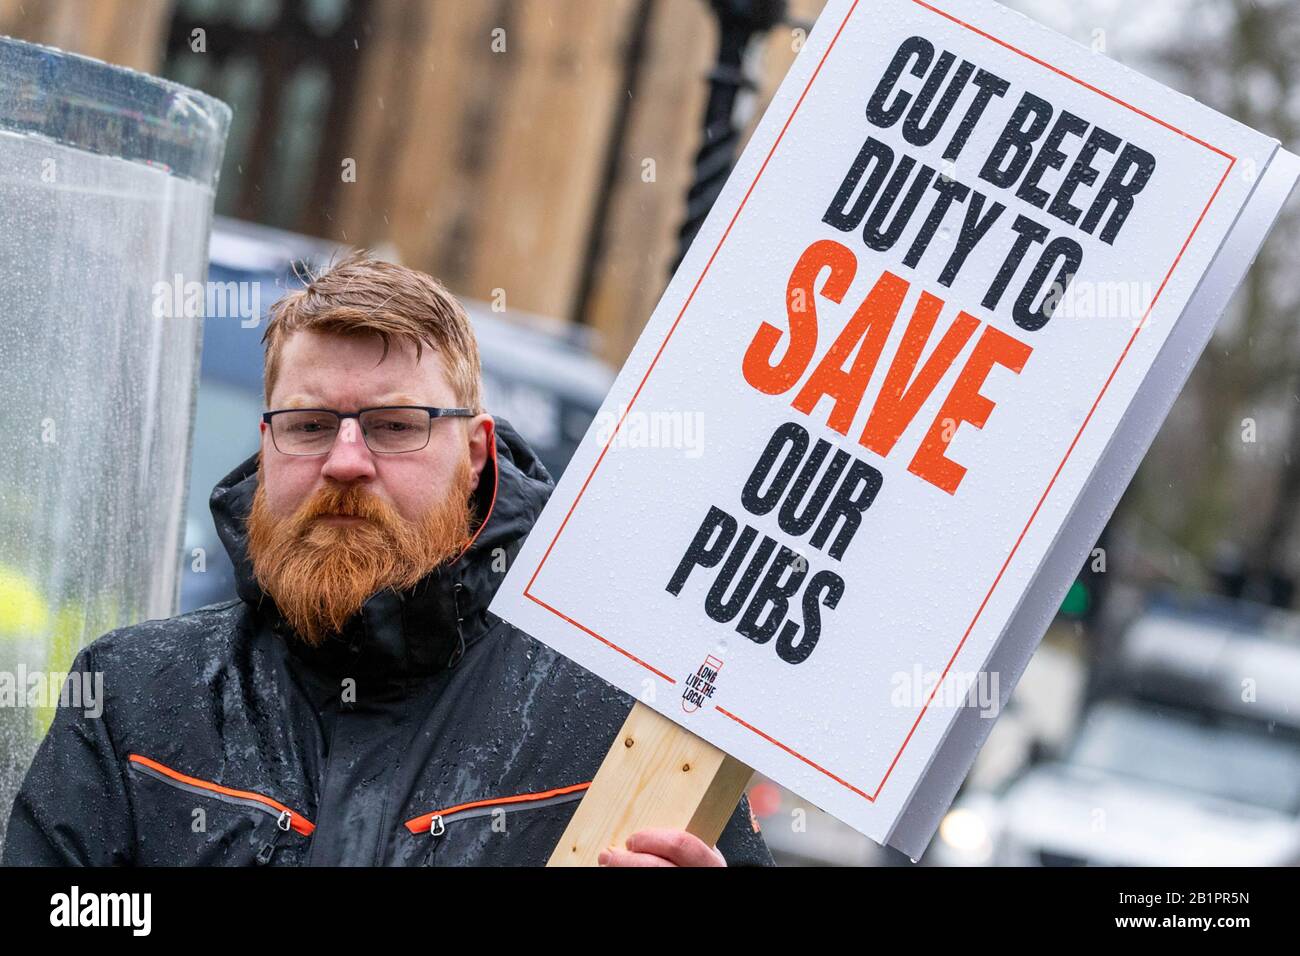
481, 431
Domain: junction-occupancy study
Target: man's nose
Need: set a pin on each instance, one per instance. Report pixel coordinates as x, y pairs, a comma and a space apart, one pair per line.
350, 459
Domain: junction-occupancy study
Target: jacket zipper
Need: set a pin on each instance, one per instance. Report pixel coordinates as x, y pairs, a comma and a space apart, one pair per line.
285, 821
435, 823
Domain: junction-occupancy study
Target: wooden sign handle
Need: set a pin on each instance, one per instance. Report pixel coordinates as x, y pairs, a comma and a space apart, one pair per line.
656, 774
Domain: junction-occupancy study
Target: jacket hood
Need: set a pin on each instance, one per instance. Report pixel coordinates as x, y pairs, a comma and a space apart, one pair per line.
426, 627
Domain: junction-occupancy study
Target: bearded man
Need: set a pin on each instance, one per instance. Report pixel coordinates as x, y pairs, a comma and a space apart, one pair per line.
357, 704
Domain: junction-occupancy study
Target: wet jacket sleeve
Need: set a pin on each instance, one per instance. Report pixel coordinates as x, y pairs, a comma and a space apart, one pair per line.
73, 808
741, 844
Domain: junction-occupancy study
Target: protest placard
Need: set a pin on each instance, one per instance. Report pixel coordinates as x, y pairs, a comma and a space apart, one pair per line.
889, 399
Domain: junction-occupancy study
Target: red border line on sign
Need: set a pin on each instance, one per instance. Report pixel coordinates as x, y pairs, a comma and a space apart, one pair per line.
608, 643
871, 797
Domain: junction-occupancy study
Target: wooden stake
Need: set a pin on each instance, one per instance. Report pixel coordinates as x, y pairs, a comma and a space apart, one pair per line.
656, 774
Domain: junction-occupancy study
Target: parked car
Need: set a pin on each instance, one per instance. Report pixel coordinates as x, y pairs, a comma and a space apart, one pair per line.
1188, 753
539, 374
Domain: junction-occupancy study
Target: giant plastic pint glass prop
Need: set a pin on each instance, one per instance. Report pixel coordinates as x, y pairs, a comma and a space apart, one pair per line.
107, 179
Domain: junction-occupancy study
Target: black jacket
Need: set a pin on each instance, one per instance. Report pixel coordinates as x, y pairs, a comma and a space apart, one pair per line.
429, 733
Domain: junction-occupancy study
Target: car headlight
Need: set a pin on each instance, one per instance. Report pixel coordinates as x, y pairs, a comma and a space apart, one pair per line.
967, 833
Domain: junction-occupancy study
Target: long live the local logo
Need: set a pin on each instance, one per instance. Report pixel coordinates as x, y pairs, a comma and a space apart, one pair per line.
701, 685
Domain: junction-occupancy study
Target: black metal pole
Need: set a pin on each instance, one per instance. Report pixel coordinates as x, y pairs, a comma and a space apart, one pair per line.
738, 22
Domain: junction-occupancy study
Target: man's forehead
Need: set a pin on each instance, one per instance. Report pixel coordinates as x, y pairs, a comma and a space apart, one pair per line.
323, 370
362, 349
308, 399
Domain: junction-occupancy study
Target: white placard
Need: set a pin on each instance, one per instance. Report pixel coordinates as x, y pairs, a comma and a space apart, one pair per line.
861, 416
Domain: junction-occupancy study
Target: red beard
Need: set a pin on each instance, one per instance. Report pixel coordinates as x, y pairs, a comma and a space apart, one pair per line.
320, 574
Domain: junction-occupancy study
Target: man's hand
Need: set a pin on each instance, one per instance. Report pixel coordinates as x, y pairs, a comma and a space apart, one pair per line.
662, 847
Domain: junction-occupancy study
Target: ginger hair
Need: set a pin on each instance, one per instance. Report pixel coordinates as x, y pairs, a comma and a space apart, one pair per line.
362, 295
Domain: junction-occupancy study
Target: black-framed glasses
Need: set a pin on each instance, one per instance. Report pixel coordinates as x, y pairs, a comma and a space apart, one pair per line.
387, 429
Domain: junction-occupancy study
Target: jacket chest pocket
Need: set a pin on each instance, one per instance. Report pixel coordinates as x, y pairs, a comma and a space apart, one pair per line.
220, 825
496, 830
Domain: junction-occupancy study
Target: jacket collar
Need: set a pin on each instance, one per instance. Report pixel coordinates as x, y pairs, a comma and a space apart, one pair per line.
427, 627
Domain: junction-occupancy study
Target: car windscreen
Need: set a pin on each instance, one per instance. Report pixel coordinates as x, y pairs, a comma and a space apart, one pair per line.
1192, 752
